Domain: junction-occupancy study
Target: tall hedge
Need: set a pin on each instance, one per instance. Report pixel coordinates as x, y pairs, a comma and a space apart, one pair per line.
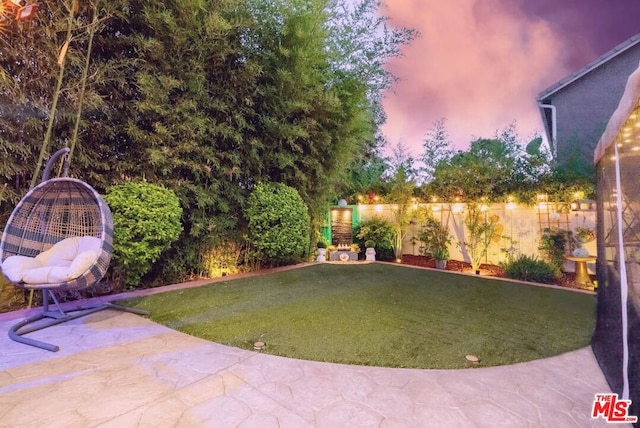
146, 219
279, 224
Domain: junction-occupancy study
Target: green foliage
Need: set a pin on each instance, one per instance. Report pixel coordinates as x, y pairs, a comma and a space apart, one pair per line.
360, 42
365, 176
146, 220
528, 268
435, 239
573, 176
492, 168
322, 244
381, 233
29, 73
533, 147
206, 97
377, 230
554, 245
441, 253
436, 148
278, 224
400, 194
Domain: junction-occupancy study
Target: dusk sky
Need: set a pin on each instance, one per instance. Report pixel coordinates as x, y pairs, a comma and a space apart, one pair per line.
480, 64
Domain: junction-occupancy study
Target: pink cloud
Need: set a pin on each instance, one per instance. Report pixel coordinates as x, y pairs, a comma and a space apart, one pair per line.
478, 63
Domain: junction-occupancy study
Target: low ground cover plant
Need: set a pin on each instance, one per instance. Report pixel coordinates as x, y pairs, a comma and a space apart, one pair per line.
529, 268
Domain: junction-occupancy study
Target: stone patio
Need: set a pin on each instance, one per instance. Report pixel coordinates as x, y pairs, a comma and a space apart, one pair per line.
118, 369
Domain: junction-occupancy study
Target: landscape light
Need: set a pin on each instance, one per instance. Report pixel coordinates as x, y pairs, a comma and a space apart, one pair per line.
27, 12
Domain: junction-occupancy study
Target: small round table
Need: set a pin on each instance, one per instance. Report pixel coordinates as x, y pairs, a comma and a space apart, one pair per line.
582, 273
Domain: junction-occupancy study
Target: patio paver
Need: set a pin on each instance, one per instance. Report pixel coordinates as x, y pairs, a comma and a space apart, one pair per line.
117, 369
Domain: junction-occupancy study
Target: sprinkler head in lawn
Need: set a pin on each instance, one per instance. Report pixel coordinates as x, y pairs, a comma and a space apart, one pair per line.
472, 358
258, 346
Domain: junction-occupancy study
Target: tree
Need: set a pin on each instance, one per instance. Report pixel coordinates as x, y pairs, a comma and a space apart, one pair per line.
400, 194
491, 168
481, 229
361, 41
206, 97
182, 112
41, 70
436, 148
366, 176
573, 176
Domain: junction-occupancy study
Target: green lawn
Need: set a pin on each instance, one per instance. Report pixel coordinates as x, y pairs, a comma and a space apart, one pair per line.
382, 315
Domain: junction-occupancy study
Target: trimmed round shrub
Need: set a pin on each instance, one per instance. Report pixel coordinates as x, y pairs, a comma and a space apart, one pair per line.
279, 224
146, 220
528, 268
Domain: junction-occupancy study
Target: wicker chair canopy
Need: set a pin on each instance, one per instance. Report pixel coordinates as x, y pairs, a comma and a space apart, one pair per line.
54, 210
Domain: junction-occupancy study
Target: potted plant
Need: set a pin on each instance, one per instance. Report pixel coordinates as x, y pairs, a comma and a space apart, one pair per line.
441, 255
370, 252
584, 235
321, 252
436, 239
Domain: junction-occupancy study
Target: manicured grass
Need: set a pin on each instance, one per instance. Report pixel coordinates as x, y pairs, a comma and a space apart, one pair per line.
382, 315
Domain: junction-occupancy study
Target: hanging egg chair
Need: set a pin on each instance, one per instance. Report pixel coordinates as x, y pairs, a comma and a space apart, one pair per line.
59, 237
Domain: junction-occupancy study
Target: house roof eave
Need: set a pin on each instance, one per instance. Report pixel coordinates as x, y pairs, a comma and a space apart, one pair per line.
602, 59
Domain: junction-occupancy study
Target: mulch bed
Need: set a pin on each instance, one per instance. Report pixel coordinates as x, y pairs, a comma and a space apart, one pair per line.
566, 280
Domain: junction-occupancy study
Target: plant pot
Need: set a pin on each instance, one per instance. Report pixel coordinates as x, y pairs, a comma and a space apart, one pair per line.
370, 254
322, 255
441, 264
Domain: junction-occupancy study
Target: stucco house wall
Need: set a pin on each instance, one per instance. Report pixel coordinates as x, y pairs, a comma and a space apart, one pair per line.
585, 100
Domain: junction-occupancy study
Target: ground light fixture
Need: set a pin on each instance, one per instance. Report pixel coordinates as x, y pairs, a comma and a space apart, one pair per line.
17, 10
27, 12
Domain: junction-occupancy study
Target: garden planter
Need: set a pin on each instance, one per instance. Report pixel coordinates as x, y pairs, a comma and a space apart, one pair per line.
370, 254
441, 264
321, 255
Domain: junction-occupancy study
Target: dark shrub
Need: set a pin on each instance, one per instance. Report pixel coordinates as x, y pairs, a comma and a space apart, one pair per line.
528, 268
